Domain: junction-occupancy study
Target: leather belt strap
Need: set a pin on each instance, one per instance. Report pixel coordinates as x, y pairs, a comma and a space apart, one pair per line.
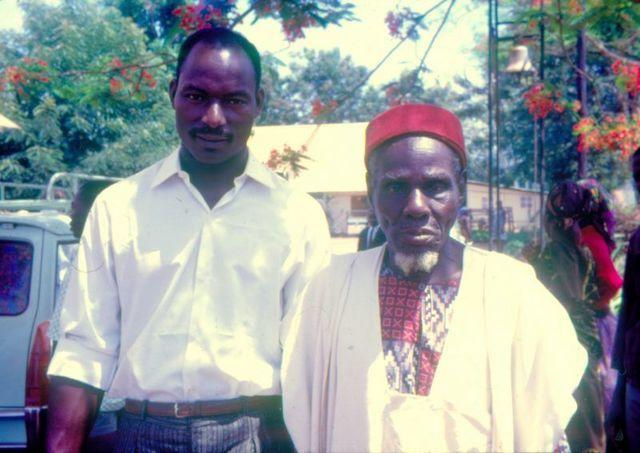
204, 408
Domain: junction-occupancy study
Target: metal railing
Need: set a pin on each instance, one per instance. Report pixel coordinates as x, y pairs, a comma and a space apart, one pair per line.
20, 186
49, 191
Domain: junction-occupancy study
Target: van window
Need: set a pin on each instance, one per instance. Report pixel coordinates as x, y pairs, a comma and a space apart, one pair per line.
16, 259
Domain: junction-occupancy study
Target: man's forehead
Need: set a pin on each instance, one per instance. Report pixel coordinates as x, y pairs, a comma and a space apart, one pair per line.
203, 63
411, 148
224, 56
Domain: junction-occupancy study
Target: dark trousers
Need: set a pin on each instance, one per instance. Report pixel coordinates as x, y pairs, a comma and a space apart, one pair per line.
632, 417
243, 432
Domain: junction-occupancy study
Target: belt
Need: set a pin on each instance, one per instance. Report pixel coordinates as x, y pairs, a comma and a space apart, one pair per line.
204, 408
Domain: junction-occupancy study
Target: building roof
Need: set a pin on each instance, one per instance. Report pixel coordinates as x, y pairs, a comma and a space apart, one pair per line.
336, 150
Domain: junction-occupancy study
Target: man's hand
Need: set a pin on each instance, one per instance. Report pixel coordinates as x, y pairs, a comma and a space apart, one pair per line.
72, 410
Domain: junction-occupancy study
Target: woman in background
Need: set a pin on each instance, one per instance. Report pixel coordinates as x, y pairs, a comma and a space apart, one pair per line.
566, 268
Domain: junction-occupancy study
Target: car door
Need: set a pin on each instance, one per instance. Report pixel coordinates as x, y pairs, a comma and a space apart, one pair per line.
20, 267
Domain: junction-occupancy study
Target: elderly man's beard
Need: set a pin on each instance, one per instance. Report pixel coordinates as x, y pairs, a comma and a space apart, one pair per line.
411, 264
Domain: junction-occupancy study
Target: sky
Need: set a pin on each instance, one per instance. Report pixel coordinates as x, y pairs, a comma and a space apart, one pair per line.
367, 40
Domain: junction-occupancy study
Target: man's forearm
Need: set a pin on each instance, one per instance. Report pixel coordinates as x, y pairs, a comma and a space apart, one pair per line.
72, 410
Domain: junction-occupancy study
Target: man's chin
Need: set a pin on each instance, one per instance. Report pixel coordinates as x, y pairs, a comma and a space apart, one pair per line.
416, 263
212, 155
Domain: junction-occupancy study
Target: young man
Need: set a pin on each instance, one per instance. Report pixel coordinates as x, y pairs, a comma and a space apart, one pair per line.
183, 275
425, 344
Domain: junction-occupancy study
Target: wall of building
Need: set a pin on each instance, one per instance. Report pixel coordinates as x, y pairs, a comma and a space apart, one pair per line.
522, 205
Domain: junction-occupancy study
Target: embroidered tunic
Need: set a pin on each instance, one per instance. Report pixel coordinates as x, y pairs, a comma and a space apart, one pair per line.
415, 319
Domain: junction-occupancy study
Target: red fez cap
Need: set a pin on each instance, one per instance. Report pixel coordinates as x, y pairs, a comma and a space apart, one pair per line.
419, 119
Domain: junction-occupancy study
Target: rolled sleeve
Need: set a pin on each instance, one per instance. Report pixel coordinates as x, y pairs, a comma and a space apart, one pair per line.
90, 320
75, 361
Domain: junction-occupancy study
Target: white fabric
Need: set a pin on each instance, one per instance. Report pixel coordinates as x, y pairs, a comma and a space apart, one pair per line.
504, 381
173, 301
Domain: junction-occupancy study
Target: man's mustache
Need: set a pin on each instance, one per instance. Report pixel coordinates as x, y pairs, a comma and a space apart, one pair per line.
212, 132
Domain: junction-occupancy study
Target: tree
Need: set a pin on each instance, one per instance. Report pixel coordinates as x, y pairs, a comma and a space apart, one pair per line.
87, 80
613, 75
71, 86
315, 84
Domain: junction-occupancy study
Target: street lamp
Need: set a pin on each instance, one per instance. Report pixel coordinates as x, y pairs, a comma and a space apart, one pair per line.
519, 62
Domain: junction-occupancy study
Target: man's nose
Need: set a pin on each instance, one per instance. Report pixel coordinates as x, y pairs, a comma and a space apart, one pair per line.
214, 116
417, 204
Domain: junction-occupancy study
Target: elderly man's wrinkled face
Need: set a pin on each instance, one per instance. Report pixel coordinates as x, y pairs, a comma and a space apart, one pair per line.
414, 189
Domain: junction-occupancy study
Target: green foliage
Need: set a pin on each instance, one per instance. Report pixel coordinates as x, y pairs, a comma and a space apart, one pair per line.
86, 81
72, 113
320, 77
611, 33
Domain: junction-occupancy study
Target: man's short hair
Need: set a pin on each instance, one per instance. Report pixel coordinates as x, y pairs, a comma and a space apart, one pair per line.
225, 38
90, 189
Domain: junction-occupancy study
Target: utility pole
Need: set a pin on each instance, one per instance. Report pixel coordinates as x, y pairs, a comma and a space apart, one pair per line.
581, 81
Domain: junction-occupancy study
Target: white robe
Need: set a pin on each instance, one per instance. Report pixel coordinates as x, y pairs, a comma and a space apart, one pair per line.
510, 363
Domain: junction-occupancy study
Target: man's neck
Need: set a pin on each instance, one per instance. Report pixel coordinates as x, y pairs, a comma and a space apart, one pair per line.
213, 180
230, 168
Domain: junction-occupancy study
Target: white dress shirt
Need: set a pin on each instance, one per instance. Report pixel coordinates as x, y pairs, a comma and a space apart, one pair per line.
172, 301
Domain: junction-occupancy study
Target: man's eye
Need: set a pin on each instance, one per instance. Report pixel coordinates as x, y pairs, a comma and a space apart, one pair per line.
194, 96
236, 101
394, 187
438, 187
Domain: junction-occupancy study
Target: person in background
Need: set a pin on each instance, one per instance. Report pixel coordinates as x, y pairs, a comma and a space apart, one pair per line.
623, 419
184, 273
461, 230
566, 268
102, 436
371, 235
425, 344
597, 226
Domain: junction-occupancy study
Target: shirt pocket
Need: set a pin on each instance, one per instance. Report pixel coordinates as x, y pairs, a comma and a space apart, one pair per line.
245, 264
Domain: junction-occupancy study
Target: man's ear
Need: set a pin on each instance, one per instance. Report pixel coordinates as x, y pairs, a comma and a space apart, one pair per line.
173, 86
259, 101
369, 177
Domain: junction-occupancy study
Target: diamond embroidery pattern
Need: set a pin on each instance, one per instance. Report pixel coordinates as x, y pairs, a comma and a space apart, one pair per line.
415, 320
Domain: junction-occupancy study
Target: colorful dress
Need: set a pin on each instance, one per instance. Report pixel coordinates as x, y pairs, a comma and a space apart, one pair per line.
568, 272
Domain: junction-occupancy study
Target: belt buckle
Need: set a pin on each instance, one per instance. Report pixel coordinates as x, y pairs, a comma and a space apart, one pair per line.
181, 411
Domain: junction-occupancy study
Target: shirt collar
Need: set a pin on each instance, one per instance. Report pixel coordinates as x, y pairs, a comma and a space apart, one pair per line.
171, 166
258, 172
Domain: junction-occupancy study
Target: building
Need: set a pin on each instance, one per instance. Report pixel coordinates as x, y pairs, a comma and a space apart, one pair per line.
335, 176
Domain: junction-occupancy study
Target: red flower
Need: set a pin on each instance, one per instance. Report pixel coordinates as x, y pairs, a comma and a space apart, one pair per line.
393, 24
317, 108
115, 85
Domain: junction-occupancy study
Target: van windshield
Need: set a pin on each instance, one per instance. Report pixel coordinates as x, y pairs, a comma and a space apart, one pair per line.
16, 259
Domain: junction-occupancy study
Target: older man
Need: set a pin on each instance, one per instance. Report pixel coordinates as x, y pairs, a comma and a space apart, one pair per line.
183, 275
425, 344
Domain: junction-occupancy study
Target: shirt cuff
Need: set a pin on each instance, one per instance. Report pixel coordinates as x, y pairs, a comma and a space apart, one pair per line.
75, 361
